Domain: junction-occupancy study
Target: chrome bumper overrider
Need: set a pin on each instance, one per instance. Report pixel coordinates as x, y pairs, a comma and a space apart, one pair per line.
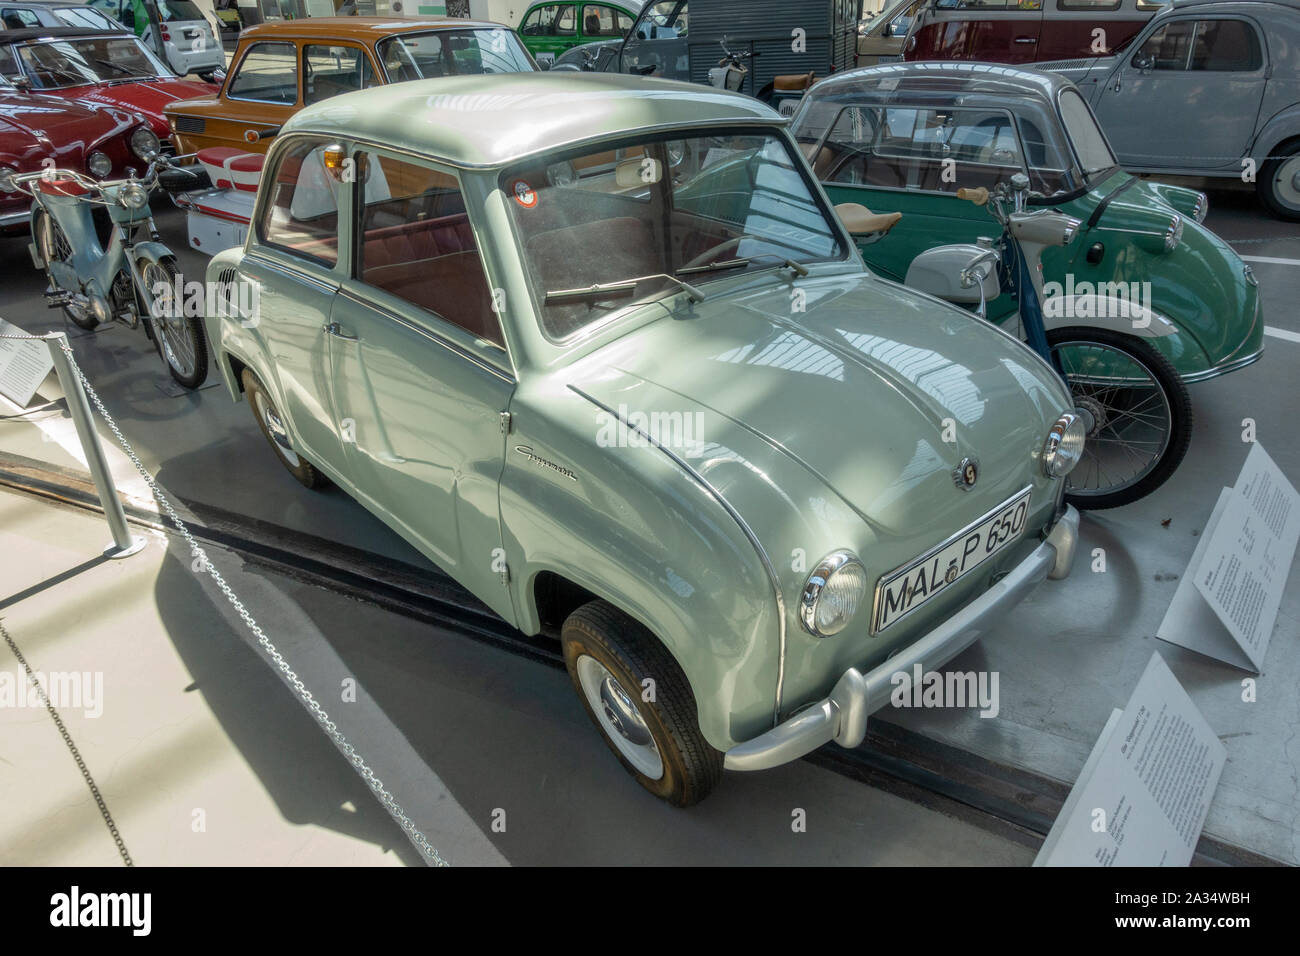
842, 716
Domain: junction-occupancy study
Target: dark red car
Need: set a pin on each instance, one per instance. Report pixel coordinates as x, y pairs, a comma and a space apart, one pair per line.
111, 69
37, 131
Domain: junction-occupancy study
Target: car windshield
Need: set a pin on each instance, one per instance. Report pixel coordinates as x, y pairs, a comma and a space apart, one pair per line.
1095, 156
852, 141
416, 56
56, 64
604, 229
84, 17
663, 20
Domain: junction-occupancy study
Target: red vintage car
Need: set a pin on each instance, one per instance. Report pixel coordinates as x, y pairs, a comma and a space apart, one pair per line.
111, 69
38, 131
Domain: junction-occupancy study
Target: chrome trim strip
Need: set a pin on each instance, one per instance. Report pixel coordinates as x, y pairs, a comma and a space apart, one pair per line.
735, 516
14, 218
285, 269
433, 336
1222, 368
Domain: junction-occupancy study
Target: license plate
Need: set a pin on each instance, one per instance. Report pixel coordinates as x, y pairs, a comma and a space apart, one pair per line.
907, 589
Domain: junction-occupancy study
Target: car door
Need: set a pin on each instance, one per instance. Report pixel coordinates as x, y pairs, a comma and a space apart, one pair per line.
657, 44
420, 373
262, 92
549, 29
1187, 95
293, 267
999, 31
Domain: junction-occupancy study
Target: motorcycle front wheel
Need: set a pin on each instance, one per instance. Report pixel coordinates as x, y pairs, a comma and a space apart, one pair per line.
1136, 409
53, 246
178, 337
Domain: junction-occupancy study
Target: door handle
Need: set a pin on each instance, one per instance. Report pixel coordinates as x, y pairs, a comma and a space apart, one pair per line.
1026, 39
336, 330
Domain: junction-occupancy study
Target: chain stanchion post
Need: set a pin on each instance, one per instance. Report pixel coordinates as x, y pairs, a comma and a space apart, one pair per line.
124, 544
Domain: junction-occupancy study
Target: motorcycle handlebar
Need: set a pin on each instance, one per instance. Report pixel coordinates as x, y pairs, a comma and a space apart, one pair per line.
979, 197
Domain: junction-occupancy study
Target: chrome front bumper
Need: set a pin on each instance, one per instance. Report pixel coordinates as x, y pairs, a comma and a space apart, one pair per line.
842, 716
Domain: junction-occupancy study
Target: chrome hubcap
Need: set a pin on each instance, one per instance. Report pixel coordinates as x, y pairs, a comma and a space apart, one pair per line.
617, 713
1287, 183
275, 427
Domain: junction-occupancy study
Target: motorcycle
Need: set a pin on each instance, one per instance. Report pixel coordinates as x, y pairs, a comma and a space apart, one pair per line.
134, 280
731, 71
1134, 408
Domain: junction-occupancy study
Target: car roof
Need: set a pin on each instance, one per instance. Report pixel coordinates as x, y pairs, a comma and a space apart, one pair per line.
58, 33
492, 120
991, 79
1183, 4
359, 27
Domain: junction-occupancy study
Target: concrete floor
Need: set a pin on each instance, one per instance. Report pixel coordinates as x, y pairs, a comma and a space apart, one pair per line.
1066, 657
195, 719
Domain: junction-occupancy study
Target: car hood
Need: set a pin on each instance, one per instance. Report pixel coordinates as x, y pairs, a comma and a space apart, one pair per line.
875, 391
147, 98
33, 125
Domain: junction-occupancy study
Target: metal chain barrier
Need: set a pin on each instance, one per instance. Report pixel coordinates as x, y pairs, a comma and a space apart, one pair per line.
290, 677
72, 748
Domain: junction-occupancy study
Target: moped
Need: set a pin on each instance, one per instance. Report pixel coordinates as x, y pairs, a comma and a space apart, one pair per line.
1135, 409
133, 280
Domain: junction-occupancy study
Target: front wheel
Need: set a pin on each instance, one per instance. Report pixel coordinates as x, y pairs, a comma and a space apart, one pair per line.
1136, 409
177, 336
636, 693
53, 246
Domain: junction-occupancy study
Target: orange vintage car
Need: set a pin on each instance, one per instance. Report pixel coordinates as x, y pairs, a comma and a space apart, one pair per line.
280, 67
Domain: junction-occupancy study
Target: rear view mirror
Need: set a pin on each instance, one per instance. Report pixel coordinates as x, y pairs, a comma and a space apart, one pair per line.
641, 171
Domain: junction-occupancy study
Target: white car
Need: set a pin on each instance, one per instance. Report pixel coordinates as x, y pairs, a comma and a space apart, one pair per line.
177, 30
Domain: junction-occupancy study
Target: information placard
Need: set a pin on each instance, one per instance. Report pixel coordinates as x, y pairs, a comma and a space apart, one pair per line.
24, 363
1145, 789
1227, 602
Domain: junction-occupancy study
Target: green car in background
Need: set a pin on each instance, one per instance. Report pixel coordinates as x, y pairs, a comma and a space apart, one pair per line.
903, 138
549, 28
740, 480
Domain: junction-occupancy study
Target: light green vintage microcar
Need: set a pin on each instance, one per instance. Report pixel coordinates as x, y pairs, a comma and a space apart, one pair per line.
682, 429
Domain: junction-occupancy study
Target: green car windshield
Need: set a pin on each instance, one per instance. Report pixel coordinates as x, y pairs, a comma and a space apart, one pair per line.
623, 225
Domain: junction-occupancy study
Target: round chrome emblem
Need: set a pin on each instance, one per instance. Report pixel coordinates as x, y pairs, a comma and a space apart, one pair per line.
966, 474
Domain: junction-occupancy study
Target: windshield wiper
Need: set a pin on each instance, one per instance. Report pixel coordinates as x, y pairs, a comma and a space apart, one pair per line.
605, 290
790, 264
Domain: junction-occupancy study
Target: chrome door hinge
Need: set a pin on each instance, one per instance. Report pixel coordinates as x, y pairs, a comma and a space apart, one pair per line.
505, 574
505, 423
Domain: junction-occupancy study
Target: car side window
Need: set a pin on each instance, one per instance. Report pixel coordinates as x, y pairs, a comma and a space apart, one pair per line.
330, 70
1092, 6
268, 73
301, 216
601, 21
1226, 46
414, 241
16, 19
936, 150
555, 19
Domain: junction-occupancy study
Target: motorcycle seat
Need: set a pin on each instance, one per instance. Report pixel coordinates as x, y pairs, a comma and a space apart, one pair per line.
858, 219
793, 82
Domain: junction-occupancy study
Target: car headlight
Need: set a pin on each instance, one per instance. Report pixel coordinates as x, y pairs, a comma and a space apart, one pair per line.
144, 143
5, 185
1064, 445
833, 594
99, 165
1174, 234
1201, 208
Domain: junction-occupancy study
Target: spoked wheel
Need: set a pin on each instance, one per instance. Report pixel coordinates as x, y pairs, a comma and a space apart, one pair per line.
178, 337
1136, 409
53, 246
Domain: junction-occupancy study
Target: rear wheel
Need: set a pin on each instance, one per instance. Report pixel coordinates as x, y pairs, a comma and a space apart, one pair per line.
178, 337
1136, 409
636, 693
53, 246
1278, 183
276, 434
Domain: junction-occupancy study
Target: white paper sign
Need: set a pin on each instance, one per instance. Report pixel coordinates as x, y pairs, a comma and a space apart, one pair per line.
24, 363
1226, 604
1145, 790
